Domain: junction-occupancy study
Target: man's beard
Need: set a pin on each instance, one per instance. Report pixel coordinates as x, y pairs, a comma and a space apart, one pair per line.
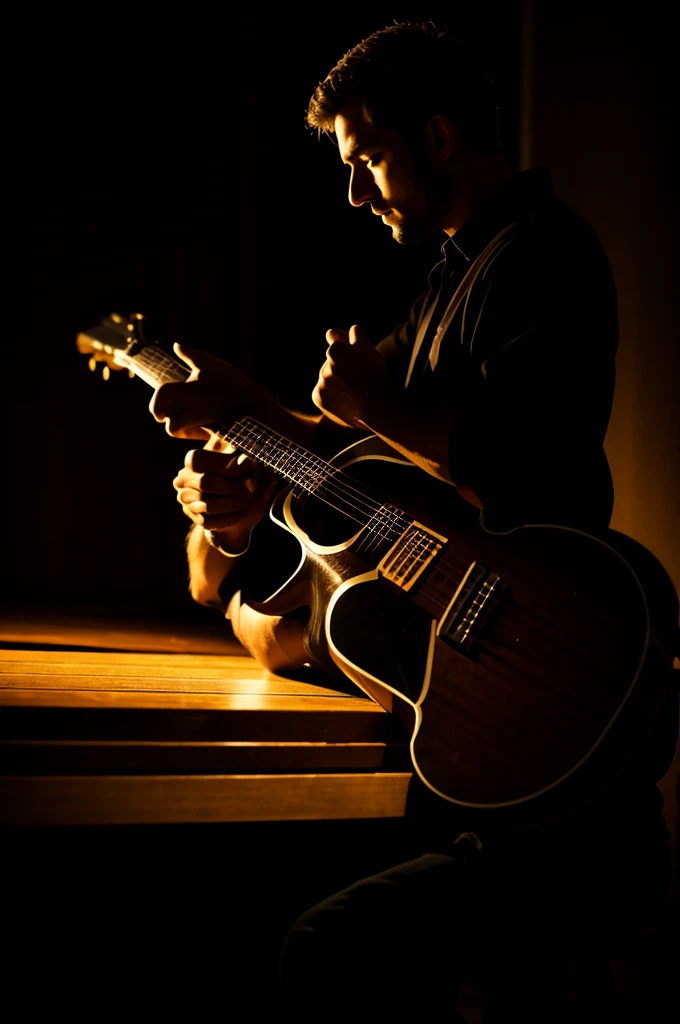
433, 189
407, 233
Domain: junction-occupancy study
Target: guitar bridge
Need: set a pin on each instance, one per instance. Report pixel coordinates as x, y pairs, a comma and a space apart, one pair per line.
470, 608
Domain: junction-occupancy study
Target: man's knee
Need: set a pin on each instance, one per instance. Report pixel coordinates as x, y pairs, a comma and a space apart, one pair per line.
317, 948
370, 921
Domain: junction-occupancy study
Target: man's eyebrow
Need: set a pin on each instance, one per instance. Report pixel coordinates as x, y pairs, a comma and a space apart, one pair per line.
356, 149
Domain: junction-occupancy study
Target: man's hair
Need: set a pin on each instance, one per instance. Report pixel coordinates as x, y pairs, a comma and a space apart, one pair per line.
406, 74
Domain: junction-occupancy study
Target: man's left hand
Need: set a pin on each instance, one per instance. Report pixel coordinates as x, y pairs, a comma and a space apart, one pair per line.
213, 392
353, 381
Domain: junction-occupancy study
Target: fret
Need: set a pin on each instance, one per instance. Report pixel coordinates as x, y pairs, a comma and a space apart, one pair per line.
156, 367
390, 518
290, 460
415, 550
306, 471
312, 474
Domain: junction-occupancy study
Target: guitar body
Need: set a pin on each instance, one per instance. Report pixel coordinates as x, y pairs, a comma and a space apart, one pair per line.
528, 667
547, 700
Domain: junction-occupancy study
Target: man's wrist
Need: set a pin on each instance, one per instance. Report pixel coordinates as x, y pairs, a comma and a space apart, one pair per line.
228, 544
383, 409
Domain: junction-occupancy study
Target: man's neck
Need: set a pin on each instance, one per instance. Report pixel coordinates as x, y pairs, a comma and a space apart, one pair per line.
475, 184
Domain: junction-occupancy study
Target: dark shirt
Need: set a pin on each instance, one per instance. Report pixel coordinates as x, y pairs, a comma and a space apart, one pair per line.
518, 331
525, 352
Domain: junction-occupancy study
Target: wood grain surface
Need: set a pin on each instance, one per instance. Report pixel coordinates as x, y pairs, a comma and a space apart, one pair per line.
59, 629
112, 735
129, 800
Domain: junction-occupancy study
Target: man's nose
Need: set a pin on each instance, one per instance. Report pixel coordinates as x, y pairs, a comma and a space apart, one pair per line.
362, 188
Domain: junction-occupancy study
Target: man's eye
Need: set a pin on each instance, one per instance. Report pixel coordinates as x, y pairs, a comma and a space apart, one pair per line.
377, 158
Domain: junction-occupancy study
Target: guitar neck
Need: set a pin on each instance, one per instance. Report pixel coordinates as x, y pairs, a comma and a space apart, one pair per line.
308, 472
154, 366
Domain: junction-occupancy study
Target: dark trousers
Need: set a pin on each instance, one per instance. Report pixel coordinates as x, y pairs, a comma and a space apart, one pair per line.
404, 940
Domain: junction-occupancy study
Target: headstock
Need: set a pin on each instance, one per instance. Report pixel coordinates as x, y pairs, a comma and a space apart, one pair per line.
115, 341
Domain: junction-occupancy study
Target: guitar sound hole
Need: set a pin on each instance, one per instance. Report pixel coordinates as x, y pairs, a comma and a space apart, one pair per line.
322, 523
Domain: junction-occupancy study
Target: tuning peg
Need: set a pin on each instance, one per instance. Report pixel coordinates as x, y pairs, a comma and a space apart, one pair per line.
138, 326
106, 373
92, 363
131, 374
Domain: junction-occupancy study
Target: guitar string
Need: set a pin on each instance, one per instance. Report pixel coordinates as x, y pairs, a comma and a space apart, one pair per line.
378, 535
157, 359
421, 544
154, 360
417, 547
315, 467
399, 519
369, 544
413, 552
394, 532
316, 485
315, 480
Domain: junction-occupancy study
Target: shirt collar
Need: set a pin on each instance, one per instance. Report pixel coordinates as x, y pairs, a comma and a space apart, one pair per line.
519, 196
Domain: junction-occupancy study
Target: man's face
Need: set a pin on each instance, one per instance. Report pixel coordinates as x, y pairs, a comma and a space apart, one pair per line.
405, 190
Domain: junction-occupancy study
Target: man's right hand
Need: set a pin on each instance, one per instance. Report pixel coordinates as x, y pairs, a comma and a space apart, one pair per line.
226, 494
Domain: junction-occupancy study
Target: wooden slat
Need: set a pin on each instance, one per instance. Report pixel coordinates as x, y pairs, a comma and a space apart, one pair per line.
83, 757
234, 668
56, 629
164, 725
224, 673
168, 681
14, 656
244, 701
130, 800
45, 715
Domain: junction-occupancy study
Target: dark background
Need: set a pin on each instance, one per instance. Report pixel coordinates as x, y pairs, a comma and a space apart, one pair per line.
163, 167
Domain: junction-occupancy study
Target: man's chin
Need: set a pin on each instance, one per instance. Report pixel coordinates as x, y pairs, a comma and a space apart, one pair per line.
410, 233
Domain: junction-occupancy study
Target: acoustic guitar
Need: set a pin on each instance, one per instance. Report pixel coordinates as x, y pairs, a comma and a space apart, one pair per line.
527, 666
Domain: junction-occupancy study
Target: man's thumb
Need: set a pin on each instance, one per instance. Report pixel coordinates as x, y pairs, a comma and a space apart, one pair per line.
193, 357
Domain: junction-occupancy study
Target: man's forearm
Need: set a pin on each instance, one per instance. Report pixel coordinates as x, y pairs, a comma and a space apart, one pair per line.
296, 426
275, 641
419, 430
208, 567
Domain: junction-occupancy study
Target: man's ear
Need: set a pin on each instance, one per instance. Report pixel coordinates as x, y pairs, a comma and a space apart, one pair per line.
440, 139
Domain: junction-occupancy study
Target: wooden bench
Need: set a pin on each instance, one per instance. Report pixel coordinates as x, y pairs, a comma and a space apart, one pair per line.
125, 723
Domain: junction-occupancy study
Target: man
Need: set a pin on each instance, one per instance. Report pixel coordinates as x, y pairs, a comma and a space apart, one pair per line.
500, 384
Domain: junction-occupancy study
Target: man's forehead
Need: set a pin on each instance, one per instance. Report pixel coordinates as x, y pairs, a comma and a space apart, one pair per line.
354, 130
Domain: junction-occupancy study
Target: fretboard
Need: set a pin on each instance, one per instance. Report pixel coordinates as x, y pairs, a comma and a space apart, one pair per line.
306, 471
154, 366
310, 473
